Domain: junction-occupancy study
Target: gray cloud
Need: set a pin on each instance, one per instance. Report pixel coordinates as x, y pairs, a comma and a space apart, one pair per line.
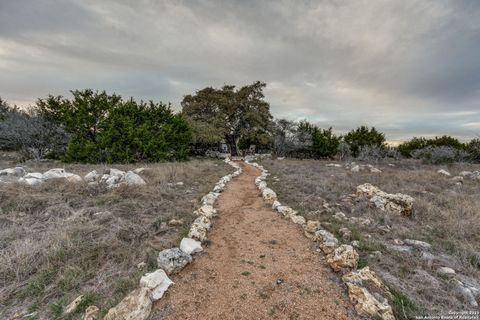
408, 67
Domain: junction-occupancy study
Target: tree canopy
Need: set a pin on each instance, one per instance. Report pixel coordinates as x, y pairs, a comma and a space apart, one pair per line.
238, 117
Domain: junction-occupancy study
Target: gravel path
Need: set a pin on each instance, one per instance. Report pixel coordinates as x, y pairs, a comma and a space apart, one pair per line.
256, 266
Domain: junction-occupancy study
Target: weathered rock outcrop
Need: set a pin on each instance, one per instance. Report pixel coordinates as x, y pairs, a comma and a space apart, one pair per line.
398, 202
137, 305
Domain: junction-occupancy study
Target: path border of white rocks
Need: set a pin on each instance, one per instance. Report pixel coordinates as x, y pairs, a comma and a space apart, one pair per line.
341, 258
138, 303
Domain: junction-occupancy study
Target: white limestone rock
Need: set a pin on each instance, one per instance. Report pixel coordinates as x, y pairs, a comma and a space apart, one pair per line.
157, 282
133, 179
190, 246
137, 305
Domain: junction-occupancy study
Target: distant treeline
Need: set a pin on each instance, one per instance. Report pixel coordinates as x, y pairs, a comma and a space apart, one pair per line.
95, 127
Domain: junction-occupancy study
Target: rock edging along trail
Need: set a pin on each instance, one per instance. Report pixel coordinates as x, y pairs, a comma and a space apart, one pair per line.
365, 289
256, 266
138, 303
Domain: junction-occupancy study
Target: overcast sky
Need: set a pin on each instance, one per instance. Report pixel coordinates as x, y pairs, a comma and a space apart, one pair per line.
408, 67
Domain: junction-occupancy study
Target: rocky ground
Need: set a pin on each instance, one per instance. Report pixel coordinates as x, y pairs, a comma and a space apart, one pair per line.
63, 237
415, 225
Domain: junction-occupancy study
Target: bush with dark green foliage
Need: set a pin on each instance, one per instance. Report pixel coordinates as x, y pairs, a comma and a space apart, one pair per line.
364, 136
105, 128
473, 149
417, 143
324, 143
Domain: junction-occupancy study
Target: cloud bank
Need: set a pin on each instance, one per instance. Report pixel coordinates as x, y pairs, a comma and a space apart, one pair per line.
408, 67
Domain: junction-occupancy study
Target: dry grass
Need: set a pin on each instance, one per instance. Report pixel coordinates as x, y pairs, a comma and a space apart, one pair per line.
445, 215
61, 240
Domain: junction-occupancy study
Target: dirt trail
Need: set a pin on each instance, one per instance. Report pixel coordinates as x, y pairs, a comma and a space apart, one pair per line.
257, 266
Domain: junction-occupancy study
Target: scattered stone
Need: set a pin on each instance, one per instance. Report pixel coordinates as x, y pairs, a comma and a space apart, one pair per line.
286, 211
139, 170
355, 168
444, 172
298, 219
312, 226
355, 243
115, 172
370, 304
91, 313
92, 176
136, 305
398, 248
418, 244
339, 216
180, 183
13, 172
457, 179
206, 211
345, 256
269, 195
34, 175
346, 233
133, 179
446, 272
173, 260
157, 282
468, 292
398, 202
376, 254
30, 181
466, 173
398, 242
74, 178
334, 165
175, 222
275, 205
73, 305
142, 265
210, 198
190, 246
328, 242
384, 229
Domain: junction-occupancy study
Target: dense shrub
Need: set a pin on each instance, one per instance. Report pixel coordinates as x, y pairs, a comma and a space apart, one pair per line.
30, 133
473, 149
439, 154
343, 151
410, 146
105, 128
324, 143
363, 136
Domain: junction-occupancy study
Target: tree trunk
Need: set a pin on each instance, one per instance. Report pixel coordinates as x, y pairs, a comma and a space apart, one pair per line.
233, 145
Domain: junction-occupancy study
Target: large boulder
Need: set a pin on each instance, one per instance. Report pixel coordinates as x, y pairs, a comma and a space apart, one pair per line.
13, 172
34, 175
173, 260
190, 246
92, 176
397, 202
135, 306
345, 256
56, 173
133, 179
157, 282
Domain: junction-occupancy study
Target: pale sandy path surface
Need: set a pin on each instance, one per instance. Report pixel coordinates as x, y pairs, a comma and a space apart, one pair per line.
257, 266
